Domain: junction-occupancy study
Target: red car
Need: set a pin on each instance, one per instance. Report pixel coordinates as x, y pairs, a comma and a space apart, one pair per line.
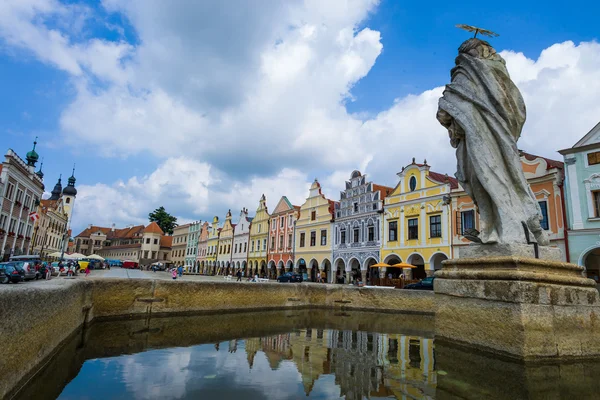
130, 264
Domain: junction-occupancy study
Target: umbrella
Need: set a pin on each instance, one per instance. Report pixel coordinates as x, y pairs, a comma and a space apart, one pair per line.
403, 265
96, 257
55, 254
380, 265
74, 256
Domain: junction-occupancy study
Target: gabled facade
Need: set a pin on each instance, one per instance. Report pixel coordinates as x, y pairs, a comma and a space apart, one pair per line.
213, 246
22, 188
202, 248
225, 246
582, 190
191, 250
281, 238
416, 228
49, 231
313, 234
241, 237
357, 229
545, 178
180, 237
259, 235
144, 245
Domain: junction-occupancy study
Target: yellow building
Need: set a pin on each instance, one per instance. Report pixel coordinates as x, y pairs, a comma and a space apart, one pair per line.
259, 231
313, 234
417, 221
212, 246
225, 244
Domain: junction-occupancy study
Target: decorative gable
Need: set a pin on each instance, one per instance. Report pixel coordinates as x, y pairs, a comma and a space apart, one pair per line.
284, 205
592, 137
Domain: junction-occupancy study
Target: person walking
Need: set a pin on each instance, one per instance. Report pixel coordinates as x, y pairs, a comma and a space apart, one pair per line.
239, 276
174, 273
87, 271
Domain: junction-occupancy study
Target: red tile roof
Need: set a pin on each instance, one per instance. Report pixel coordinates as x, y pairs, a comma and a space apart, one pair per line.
551, 163
441, 178
166, 241
88, 231
153, 228
384, 191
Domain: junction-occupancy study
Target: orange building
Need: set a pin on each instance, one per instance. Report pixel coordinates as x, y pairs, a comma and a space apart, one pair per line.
545, 177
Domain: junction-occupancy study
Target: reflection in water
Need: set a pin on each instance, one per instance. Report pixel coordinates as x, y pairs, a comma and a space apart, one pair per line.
291, 355
322, 363
126, 359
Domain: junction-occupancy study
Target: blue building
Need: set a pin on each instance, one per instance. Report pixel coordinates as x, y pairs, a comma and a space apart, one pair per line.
582, 187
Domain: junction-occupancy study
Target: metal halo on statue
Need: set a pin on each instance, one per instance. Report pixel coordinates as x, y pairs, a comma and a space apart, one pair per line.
483, 32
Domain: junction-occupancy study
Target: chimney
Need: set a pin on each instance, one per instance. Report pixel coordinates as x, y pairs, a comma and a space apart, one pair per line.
90, 226
112, 227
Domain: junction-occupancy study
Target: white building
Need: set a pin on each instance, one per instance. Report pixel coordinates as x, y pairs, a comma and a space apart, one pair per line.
241, 238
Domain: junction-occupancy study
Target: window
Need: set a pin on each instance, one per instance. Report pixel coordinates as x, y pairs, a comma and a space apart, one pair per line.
313, 215
96, 243
435, 226
265, 244
593, 158
412, 183
281, 222
324, 237
467, 219
343, 236
252, 246
356, 234
313, 238
245, 247
393, 231
235, 248
371, 233
302, 237
19, 195
280, 242
10, 190
355, 207
147, 240
374, 206
413, 228
290, 220
544, 209
258, 228
3, 219
290, 240
155, 241
27, 201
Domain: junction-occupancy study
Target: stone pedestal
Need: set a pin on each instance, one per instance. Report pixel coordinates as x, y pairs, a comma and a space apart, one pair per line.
523, 308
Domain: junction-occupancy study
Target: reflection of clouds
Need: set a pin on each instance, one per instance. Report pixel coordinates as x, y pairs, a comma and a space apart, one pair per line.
158, 374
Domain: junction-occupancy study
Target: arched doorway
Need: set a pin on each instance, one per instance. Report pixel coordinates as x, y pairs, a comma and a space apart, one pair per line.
272, 270
202, 267
263, 269
228, 270
281, 268
435, 263
244, 268
326, 267
591, 262
417, 260
302, 268
392, 272
354, 270
371, 272
290, 266
340, 271
313, 267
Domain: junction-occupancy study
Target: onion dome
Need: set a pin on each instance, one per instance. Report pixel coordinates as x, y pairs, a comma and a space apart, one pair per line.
70, 189
32, 157
57, 190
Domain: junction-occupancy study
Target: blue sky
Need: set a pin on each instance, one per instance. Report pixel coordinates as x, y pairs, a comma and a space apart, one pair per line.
185, 81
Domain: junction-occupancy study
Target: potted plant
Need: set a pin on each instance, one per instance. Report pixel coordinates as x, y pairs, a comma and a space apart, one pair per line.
11, 234
19, 236
28, 238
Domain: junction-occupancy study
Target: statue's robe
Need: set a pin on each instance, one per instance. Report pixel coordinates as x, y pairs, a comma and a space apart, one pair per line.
484, 113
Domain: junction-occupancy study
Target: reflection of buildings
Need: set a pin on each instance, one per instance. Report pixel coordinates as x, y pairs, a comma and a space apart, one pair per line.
364, 364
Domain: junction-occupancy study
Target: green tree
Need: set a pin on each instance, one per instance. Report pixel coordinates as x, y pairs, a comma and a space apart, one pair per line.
166, 221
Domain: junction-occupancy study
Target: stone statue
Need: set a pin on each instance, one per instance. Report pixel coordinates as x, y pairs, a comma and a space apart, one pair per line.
484, 113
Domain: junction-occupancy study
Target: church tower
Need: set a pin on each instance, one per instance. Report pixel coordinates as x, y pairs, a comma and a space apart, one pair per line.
68, 197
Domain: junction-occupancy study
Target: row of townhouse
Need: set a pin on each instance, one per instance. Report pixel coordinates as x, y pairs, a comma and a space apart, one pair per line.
420, 221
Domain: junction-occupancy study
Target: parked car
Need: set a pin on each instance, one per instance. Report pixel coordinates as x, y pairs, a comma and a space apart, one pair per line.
28, 268
10, 274
290, 277
423, 284
55, 269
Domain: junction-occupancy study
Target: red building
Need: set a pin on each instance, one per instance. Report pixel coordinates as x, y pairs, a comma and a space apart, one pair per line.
280, 251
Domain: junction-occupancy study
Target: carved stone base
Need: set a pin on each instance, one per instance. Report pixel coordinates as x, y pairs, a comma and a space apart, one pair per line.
475, 250
523, 308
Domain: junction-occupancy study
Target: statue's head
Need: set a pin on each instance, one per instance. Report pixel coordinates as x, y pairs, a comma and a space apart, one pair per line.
480, 49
